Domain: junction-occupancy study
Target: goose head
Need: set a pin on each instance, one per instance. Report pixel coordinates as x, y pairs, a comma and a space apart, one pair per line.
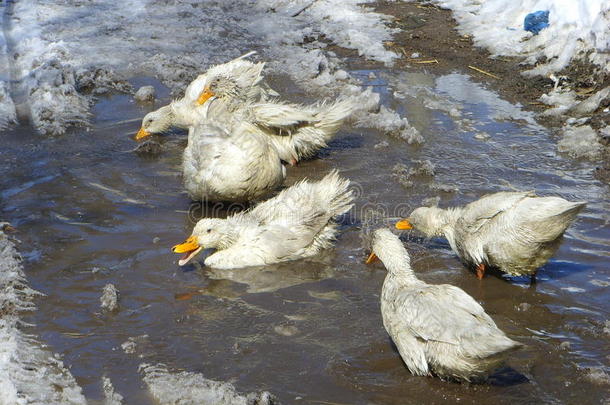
217, 88
209, 233
156, 122
428, 220
390, 250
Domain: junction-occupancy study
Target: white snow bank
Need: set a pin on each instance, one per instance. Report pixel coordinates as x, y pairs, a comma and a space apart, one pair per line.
29, 374
186, 388
577, 29
347, 23
65, 53
8, 114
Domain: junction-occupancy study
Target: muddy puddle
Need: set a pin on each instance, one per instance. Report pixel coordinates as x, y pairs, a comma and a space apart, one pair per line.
91, 212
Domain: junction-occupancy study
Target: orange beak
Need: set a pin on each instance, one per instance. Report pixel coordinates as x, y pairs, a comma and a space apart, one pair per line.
204, 96
142, 133
190, 248
372, 258
404, 225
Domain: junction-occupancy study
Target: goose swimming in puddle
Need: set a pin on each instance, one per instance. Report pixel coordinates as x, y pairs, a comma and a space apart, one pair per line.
186, 112
516, 232
438, 329
297, 223
238, 167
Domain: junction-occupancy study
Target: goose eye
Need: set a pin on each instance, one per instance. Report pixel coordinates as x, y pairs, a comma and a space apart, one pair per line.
209, 230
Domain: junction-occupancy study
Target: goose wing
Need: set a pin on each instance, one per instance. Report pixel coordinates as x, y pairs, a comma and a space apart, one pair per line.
283, 118
487, 210
442, 313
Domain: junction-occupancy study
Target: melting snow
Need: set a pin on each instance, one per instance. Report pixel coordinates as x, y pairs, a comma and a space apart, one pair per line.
29, 374
186, 388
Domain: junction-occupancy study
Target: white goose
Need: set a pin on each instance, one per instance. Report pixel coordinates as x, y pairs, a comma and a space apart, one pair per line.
297, 131
236, 167
186, 112
297, 223
516, 232
438, 329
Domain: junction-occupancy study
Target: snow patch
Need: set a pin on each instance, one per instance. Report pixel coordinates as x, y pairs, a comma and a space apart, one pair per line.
8, 114
29, 374
578, 29
192, 388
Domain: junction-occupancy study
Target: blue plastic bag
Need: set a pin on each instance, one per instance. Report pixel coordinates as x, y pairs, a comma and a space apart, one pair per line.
536, 21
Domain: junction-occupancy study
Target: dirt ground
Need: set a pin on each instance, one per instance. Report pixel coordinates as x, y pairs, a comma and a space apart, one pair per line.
432, 32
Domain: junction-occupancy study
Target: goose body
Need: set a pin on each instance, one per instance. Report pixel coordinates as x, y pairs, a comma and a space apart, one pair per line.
297, 223
438, 329
516, 232
186, 112
237, 167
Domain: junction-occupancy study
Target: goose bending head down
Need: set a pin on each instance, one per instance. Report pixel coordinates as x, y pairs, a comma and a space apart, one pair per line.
430, 221
515, 232
438, 329
157, 122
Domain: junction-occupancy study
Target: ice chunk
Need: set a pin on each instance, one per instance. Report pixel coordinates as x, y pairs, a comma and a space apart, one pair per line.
145, 94
580, 142
392, 123
186, 388
110, 298
112, 397
591, 104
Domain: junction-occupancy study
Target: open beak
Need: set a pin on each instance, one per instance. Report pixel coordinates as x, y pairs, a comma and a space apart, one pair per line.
205, 96
404, 225
190, 248
142, 133
372, 258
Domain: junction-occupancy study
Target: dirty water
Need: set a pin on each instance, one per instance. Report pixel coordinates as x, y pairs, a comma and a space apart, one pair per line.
91, 212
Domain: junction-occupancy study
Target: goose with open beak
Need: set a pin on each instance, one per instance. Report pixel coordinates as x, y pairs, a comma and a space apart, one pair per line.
515, 232
438, 329
297, 223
